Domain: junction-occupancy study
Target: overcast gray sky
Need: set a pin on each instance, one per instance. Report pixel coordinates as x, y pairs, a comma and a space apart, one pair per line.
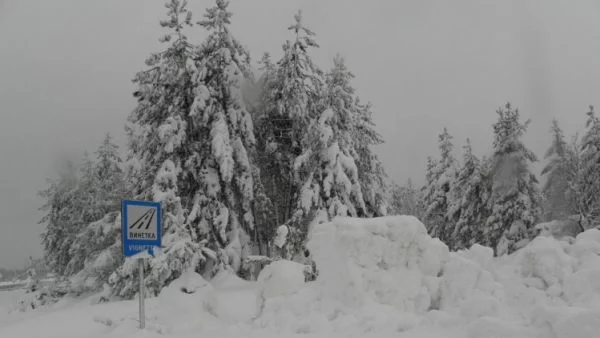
66, 69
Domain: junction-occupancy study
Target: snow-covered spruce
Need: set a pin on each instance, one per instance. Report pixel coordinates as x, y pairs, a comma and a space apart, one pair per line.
82, 207
291, 101
220, 163
159, 144
315, 141
403, 200
561, 176
515, 201
354, 127
441, 176
589, 182
468, 207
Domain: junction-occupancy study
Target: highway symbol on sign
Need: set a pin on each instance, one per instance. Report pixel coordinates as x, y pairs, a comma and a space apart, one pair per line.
145, 219
141, 228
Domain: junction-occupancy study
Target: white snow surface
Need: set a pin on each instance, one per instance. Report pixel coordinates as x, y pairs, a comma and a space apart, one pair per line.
382, 277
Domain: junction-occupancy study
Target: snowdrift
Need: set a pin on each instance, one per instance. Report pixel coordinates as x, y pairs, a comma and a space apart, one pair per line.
382, 277
387, 275
193, 298
389, 261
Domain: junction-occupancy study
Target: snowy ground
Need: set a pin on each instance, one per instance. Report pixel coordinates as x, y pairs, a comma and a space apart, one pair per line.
378, 278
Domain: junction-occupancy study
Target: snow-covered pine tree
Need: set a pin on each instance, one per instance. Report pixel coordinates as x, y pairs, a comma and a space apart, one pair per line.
394, 199
269, 170
440, 177
403, 200
590, 165
292, 91
110, 176
326, 171
157, 128
455, 194
264, 216
556, 187
426, 193
160, 136
411, 199
468, 208
576, 182
184, 248
261, 106
88, 192
430, 166
60, 218
371, 173
515, 199
223, 142
86, 203
358, 136
96, 250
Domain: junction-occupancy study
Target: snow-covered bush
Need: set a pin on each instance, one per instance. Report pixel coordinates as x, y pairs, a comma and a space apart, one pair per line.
38, 295
99, 244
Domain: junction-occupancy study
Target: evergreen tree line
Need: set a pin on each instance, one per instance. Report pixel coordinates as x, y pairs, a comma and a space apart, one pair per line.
231, 155
497, 201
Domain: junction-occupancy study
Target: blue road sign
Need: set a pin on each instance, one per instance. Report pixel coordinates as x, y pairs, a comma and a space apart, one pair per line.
141, 227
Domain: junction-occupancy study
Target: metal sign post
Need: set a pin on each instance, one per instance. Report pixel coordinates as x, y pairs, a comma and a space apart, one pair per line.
140, 232
142, 296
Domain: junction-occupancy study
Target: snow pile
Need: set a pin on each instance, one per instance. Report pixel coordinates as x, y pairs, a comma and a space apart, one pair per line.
546, 261
467, 288
375, 275
387, 260
276, 283
189, 293
564, 273
583, 285
558, 290
386, 275
382, 277
192, 298
280, 278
